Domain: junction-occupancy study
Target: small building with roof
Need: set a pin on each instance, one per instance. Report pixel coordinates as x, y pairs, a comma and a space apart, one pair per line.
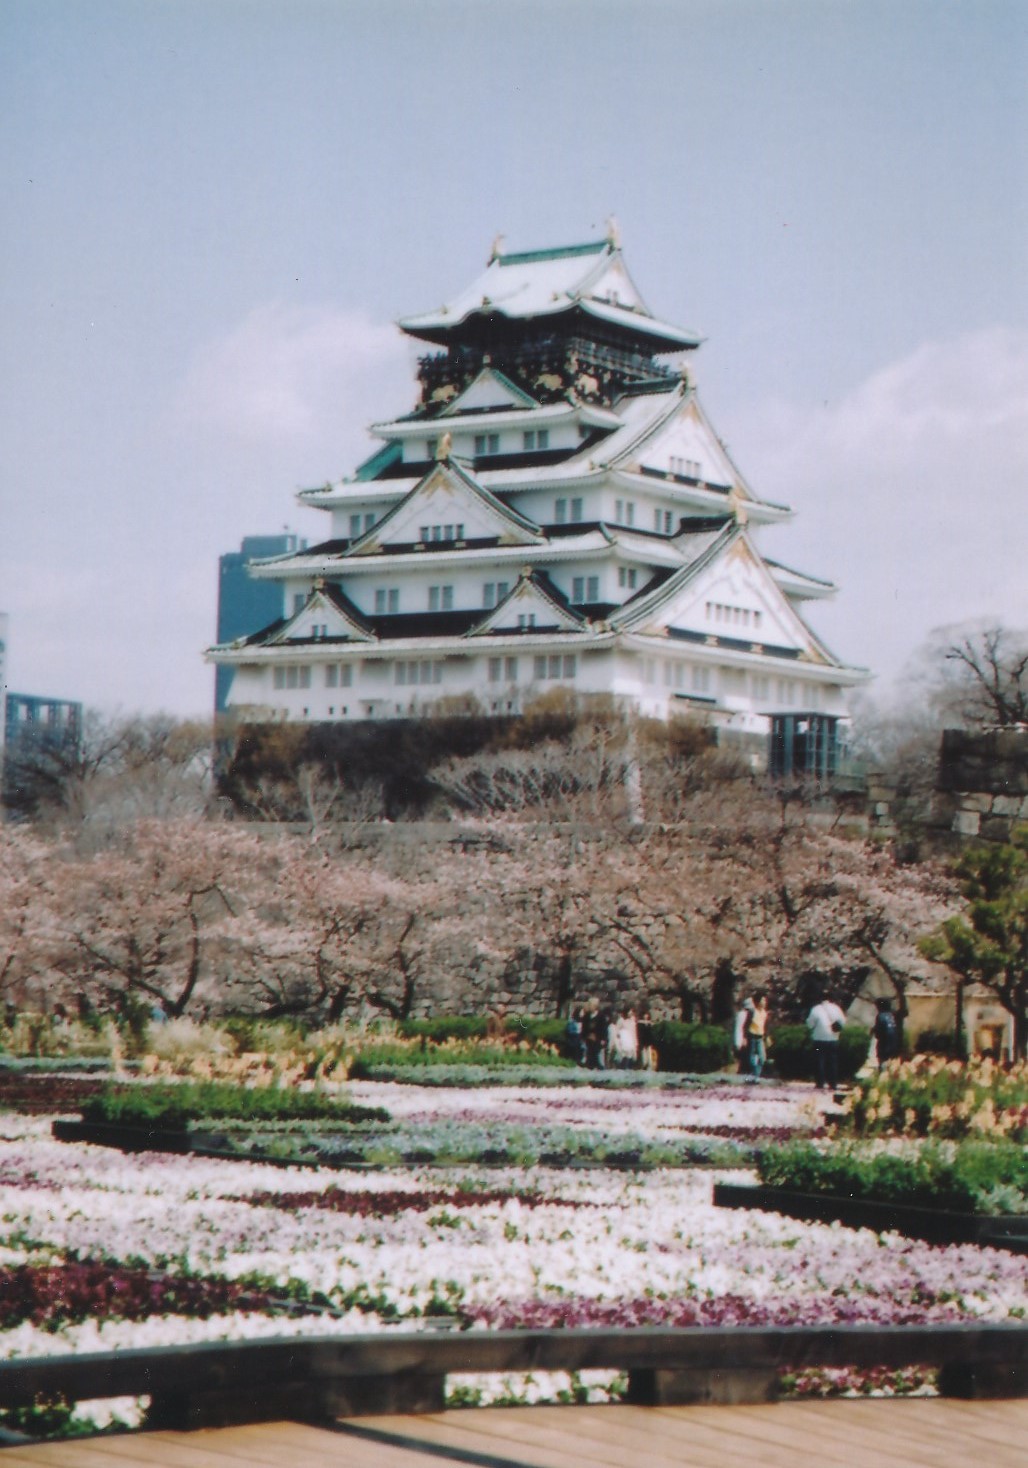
556, 510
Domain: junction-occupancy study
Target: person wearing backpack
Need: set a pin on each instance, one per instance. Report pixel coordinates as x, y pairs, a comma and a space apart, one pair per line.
886, 1032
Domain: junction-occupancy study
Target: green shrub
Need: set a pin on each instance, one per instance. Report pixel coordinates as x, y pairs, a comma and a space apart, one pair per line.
936, 1042
792, 1052
695, 1048
173, 1107
974, 1177
397, 1055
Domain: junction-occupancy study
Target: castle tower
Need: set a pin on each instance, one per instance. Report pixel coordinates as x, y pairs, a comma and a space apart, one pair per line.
556, 510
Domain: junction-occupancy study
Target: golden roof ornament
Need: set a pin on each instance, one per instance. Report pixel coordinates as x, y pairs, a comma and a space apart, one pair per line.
737, 505
444, 448
496, 249
613, 232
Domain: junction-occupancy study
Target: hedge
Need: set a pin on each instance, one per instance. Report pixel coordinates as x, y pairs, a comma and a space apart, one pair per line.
172, 1107
973, 1177
695, 1048
792, 1052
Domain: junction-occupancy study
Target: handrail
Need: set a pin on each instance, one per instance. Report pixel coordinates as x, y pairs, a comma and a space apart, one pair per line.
238, 1381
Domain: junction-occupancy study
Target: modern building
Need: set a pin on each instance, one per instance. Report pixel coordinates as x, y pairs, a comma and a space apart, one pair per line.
556, 511
41, 735
3, 671
244, 604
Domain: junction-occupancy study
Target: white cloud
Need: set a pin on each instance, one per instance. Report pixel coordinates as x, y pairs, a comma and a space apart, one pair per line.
284, 370
910, 492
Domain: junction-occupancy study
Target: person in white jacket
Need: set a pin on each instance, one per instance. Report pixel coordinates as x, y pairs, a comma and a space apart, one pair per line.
825, 1022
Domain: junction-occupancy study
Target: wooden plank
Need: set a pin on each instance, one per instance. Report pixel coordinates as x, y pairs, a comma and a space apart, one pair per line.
777, 1425
881, 1434
560, 1434
644, 1436
983, 1426
728, 1435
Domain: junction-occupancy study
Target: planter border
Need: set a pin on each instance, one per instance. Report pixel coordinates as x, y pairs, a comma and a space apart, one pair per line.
934, 1225
215, 1383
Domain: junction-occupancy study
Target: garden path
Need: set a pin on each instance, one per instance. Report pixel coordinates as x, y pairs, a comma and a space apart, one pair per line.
881, 1434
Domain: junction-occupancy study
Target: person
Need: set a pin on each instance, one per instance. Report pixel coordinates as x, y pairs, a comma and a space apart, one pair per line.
647, 1049
756, 1031
624, 1040
825, 1022
573, 1037
740, 1034
886, 1032
594, 1033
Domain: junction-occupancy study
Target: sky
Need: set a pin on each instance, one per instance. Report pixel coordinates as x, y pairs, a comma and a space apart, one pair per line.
214, 211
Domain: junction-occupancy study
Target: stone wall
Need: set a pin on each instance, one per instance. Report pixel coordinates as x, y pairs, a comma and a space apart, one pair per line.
982, 786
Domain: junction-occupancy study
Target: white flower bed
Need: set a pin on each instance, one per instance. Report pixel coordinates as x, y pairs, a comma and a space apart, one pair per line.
599, 1243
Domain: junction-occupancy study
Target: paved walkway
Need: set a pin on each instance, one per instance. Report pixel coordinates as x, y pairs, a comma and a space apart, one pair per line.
879, 1434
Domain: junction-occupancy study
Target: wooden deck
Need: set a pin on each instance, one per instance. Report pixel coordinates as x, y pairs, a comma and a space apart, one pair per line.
914, 1433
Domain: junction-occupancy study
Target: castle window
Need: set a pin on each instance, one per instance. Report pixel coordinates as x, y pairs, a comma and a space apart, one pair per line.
576, 510
299, 600
560, 511
627, 577
369, 521
592, 588
525, 621
501, 669
578, 588
440, 598
701, 680
493, 592
487, 443
536, 438
332, 675
419, 672
355, 526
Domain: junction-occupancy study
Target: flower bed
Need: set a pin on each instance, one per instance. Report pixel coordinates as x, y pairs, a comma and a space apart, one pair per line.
482, 1248
931, 1096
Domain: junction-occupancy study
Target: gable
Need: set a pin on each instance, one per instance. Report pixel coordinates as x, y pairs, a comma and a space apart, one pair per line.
448, 506
616, 287
324, 616
490, 390
686, 445
530, 607
732, 598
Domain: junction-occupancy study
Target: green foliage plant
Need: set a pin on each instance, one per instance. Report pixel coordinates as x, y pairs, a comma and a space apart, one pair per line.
971, 1177
173, 1107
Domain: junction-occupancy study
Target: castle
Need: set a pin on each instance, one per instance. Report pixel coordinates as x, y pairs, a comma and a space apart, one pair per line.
556, 511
